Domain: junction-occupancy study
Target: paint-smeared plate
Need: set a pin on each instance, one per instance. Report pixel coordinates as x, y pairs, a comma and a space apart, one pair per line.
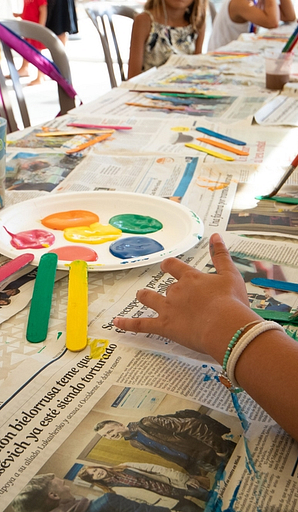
181, 227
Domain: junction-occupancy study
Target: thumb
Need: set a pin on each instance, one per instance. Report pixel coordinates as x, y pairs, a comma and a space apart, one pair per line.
221, 258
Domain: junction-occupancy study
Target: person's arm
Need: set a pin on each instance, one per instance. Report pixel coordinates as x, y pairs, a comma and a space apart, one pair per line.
204, 311
268, 16
287, 11
200, 39
140, 32
43, 12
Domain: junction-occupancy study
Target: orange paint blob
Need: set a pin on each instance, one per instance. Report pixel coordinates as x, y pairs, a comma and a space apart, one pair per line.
69, 219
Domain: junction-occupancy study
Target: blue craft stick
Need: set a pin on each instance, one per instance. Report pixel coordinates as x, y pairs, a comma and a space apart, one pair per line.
220, 136
276, 285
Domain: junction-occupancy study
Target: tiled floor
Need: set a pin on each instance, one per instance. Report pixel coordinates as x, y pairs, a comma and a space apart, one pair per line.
89, 72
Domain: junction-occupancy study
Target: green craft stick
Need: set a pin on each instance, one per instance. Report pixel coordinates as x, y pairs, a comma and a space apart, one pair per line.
278, 316
192, 95
39, 314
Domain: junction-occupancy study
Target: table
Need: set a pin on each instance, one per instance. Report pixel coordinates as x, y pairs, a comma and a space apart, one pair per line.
52, 399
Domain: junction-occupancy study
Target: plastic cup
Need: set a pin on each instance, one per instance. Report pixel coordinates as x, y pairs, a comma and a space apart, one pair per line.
278, 68
2, 160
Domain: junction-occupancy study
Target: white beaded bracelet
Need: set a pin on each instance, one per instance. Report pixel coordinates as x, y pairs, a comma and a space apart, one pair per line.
244, 341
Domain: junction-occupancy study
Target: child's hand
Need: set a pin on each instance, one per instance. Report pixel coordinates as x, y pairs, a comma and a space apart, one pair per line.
17, 15
199, 310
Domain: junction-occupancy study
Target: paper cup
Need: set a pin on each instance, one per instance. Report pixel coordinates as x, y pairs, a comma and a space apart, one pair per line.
2, 160
278, 68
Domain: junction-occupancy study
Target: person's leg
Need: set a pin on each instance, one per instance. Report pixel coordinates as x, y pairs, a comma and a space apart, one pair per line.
24, 69
39, 79
63, 38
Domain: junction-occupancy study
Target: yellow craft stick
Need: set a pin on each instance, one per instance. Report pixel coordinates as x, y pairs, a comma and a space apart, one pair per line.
77, 307
87, 144
209, 152
223, 146
72, 132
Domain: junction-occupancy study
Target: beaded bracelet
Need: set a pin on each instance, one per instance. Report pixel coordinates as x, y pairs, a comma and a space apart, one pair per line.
223, 376
246, 339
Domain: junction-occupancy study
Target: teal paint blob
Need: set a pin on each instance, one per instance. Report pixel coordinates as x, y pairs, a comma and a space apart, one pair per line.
135, 224
134, 246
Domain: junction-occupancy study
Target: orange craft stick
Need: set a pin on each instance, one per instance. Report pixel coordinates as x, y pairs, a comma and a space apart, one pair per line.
223, 146
87, 144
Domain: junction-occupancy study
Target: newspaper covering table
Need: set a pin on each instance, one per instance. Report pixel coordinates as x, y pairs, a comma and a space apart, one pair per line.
149, 417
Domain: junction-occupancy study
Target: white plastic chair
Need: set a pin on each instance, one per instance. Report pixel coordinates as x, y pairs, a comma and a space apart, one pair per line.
101, 15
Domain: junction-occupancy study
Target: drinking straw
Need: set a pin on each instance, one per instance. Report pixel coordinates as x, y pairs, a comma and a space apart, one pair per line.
291, 41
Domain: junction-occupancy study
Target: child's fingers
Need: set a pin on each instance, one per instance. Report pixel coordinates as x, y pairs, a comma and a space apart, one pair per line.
138, 324
174, 267
220, 255
150, 299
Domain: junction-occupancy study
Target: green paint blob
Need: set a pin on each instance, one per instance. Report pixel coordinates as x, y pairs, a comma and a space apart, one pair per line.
135, 224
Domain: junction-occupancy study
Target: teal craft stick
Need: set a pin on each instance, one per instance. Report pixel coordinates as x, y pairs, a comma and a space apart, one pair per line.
39, 314
279, 199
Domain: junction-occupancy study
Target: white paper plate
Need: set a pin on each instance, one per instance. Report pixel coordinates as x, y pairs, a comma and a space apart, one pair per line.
181, 227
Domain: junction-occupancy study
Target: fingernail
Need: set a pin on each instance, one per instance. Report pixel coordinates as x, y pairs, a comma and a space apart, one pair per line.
216, 238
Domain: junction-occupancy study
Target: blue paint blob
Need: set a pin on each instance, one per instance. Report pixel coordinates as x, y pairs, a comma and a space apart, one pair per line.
134, 246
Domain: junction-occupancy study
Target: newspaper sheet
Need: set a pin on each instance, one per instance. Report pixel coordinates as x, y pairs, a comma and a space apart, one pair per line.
281, 111
226, 109
103, 428
236, 207
169, 137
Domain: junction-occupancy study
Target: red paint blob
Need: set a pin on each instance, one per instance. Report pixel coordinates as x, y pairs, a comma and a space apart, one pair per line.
32, 239
75, 252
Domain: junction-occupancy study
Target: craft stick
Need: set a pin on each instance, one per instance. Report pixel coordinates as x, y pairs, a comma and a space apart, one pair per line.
72, 132
40, 309
168, 107
223, 146
192, 95
279, 199
10, 270
278, 316
220, 136
210, 152
77, 308
85, 145
88, 125
275, 285
289, 44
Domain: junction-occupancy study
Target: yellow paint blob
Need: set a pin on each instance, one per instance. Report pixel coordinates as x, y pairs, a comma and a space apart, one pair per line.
94, 234
97, 347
